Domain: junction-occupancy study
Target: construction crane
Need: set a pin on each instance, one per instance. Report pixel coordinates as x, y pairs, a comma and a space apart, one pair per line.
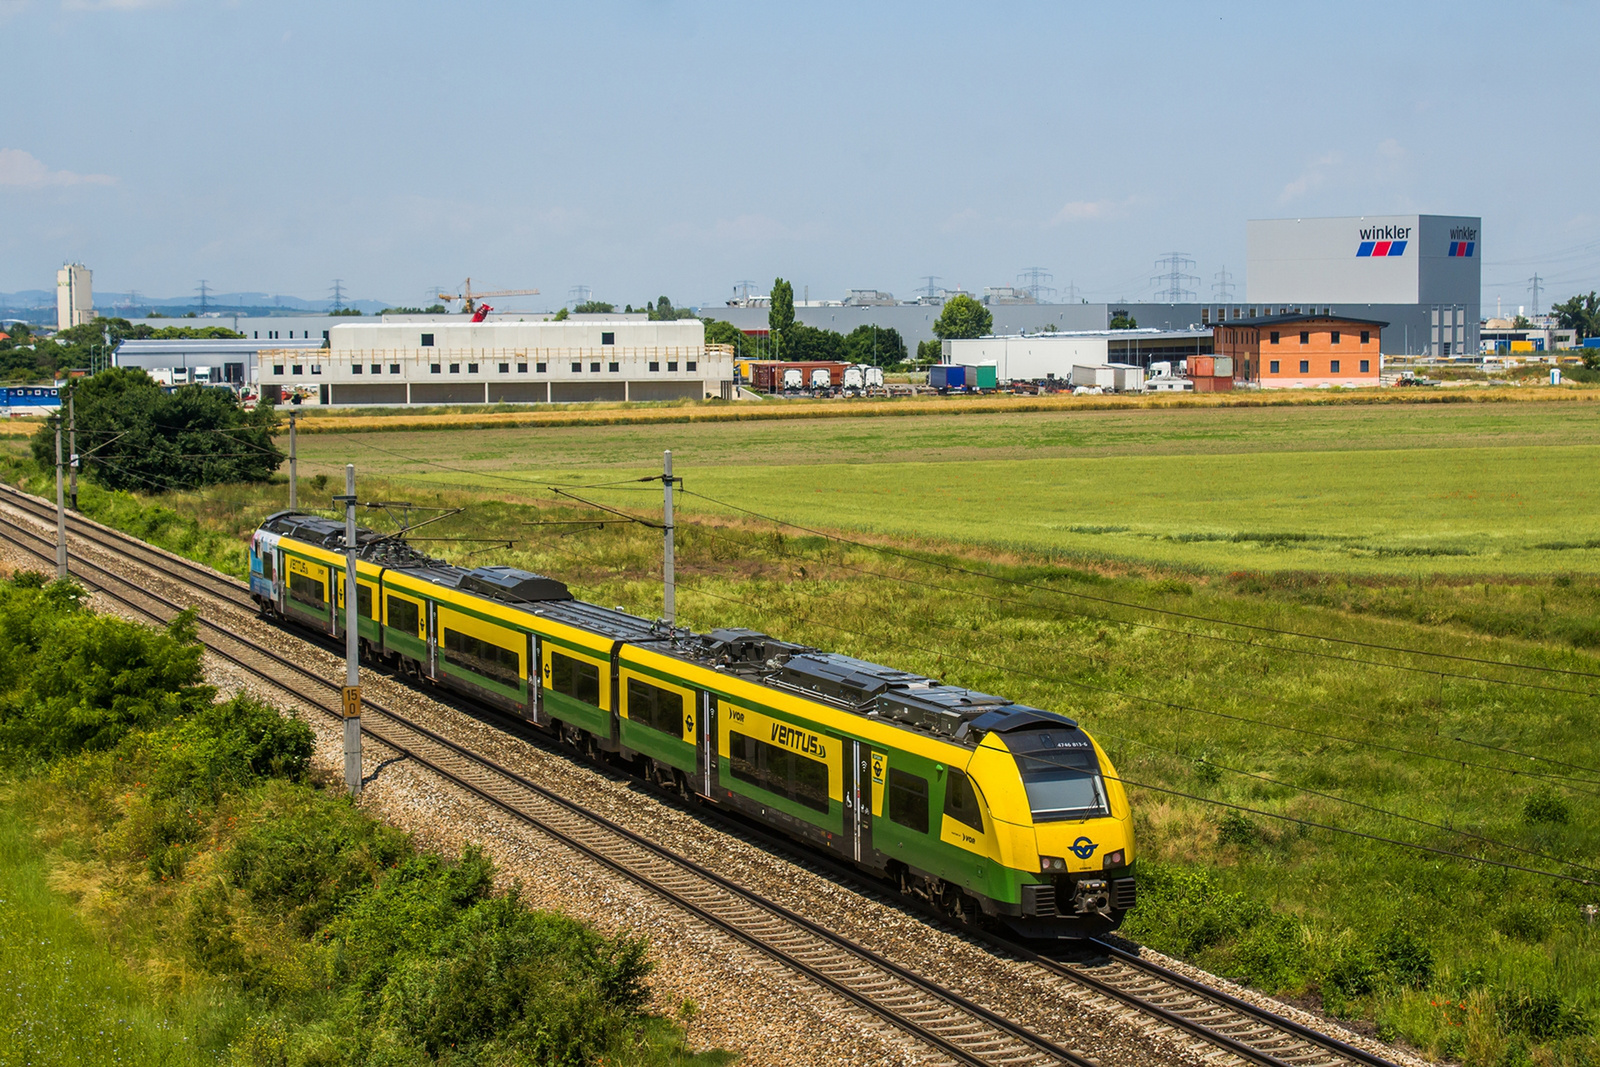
470, 299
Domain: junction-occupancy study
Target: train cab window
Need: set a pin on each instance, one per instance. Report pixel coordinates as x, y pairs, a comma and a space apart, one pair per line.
575, 678
1067, 785
908, 800
659, 709
961, 800
307, 590
778, 770
266, 564
483, 657
403, 615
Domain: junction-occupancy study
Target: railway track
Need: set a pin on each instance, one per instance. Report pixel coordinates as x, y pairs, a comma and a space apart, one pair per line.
963, 1031
966, 1032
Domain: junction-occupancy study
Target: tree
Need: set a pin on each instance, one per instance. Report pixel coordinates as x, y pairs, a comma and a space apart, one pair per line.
133, 435
560, 316
594, 307
807, 343
929, 352
962, 317
878, 345
780, 315
663, 311
1121, 320
1581, 313
719, 332
1521, 322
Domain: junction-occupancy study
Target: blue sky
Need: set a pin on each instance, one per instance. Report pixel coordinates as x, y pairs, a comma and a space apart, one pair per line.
648, 148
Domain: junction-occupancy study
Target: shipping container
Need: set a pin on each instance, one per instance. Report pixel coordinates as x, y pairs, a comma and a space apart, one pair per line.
1201, 366
767, 375
1128, 378
1100, 374
1222, 366
981, 376
945, 376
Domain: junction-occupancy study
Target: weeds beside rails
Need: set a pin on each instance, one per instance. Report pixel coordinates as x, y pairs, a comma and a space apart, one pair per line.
224, 906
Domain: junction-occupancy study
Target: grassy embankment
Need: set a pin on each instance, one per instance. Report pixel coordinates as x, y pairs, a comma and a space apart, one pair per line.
175, 889
1430, 528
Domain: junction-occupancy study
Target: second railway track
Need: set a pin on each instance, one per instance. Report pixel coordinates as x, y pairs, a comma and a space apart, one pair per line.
960, 1029
943, 1020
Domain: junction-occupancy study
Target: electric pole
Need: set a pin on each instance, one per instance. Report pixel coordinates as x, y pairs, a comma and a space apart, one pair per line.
72, 445
294, 468
669, 595
352, 640
61, 509
1535, 286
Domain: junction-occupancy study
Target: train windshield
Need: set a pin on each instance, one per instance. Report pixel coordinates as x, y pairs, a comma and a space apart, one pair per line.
1063, 784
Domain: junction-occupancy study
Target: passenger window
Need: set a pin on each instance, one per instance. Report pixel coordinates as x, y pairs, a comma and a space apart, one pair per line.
777, 770
307, 590
908, 800
575, 678
961, 801
403, 615
364, 600
659, 709
503, 665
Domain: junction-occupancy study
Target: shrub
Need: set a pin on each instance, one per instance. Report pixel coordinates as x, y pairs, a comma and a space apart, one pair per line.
1546, 806
1272, 954
1236, 828
80, 681
1523, 921
1405, 958
1352, 972
305, 853
1541, 1015
1184, 910
230, 746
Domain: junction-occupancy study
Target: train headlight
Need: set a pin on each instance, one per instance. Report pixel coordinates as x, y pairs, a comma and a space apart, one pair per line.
1114, 859
1051, 863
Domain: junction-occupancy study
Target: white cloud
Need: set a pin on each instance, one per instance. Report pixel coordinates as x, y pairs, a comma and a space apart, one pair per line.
20, 170
1090, 210
1310, 179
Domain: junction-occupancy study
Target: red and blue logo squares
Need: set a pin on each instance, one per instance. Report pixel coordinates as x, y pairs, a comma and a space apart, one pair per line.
1381, 248
1462, 249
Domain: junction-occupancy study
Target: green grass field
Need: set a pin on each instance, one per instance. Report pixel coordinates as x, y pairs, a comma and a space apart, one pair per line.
69, 998
1105, 559
1448, 490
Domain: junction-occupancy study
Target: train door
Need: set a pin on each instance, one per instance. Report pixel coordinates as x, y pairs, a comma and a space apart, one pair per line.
280, 587
708, 743
433, 640
535, 682
335, 600
858, 799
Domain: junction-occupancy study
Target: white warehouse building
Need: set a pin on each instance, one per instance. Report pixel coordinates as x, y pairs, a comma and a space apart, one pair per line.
1045, 356
503, 362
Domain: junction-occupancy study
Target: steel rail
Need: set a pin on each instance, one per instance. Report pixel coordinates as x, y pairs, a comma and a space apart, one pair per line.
1206, 1023
929, 1021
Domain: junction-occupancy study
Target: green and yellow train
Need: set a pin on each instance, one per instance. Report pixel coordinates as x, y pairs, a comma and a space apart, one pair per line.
979, 805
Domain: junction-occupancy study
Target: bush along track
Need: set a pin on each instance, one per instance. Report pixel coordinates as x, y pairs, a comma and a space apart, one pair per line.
233, 910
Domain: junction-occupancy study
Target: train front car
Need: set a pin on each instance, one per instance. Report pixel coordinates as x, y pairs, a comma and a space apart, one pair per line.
1063, 826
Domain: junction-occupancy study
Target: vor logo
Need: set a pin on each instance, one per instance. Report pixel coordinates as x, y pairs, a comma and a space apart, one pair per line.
1083, 848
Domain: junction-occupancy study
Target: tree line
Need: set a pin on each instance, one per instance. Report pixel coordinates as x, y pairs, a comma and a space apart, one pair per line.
879, 346
25, 356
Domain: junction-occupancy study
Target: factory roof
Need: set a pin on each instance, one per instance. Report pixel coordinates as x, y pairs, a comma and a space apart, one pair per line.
1276, 320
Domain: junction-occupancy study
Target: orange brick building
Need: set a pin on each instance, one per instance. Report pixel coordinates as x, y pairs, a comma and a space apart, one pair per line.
1300, 351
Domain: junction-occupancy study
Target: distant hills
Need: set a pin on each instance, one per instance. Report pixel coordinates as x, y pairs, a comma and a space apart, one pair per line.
39, 305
